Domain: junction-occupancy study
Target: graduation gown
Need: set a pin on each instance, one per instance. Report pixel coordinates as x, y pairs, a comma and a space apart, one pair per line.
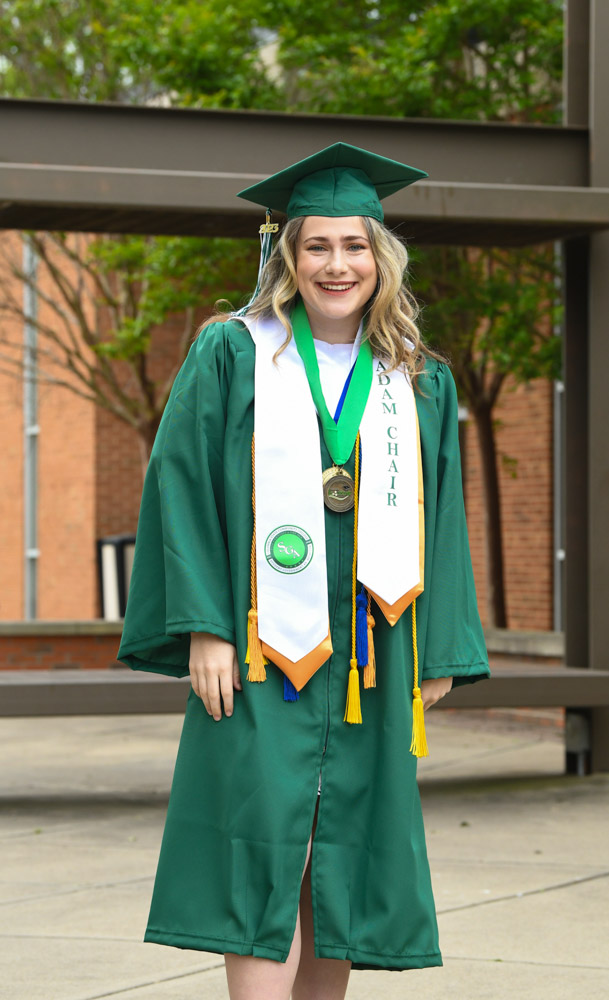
245, 788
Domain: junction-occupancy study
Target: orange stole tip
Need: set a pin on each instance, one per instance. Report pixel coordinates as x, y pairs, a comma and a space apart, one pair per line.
300, 671
393, 612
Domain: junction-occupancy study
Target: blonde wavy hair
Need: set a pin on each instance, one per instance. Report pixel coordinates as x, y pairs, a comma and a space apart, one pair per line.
390, 315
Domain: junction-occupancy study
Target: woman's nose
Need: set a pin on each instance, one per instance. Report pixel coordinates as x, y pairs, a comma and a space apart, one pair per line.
336, 261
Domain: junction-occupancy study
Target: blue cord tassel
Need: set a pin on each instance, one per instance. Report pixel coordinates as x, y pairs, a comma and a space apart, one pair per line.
289, 691
361, 628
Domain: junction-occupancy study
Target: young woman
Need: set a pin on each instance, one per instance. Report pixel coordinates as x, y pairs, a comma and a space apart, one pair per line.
302, 552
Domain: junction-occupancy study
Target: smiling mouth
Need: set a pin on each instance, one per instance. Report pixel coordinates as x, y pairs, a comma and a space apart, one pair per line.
344, 286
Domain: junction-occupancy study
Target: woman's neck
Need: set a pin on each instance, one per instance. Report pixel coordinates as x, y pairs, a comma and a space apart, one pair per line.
334, 331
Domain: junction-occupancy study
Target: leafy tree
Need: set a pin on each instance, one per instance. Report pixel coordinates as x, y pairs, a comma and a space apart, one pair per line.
103, 303
494, 313
103, 50
132, 51
500, 60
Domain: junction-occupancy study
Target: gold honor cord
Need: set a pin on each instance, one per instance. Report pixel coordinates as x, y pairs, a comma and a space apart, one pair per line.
353, 709
255, 658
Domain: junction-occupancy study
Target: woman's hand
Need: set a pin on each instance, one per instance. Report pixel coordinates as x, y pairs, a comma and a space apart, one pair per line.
214, 672
434, 689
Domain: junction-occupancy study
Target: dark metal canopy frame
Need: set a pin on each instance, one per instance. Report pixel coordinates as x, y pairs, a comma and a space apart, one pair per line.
108, 168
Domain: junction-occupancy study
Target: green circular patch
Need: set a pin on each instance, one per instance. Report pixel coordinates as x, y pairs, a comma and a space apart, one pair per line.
289, 549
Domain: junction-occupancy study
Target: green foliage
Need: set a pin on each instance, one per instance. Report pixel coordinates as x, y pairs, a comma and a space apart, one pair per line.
500, 60
131, 51
446, 58
163, 276
494, 312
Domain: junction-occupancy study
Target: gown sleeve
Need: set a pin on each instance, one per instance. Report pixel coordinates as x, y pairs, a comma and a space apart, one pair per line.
180, 582
455, 645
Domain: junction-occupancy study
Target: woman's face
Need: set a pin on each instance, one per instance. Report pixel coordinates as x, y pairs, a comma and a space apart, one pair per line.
335, 268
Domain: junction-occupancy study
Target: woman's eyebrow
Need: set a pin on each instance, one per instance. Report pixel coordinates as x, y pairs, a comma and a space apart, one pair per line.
345, 239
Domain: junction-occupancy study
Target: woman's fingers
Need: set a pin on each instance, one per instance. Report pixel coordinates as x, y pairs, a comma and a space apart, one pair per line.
213, 693
236, 674
434, 689
226, 690
214, 672
201, 691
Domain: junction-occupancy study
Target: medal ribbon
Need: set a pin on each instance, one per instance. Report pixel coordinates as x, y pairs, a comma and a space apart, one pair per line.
340, 435
341, 402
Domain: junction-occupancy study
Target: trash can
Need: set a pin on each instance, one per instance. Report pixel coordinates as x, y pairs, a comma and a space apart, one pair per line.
114, 564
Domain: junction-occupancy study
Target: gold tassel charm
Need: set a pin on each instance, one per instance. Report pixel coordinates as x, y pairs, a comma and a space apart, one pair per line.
254, 656
353, 710
370, 668
418, 744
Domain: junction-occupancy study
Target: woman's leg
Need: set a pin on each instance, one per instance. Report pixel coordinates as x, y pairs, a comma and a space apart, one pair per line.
316, 978
302, 976
252, 978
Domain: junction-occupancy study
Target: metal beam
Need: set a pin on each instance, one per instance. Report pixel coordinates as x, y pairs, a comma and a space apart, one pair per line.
575, 376
598, 397
576, 62
260, 142
199, 202
576, 262
97, 168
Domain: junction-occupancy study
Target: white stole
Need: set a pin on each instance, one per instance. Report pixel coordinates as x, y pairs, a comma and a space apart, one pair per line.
293, 600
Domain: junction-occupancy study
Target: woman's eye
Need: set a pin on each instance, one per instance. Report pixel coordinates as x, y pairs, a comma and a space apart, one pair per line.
357, 246
318, 247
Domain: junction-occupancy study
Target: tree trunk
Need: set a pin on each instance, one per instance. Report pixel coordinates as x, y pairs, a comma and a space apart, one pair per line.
492, 516
146, 435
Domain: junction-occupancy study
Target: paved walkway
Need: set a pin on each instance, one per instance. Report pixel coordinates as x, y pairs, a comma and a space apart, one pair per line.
519, 854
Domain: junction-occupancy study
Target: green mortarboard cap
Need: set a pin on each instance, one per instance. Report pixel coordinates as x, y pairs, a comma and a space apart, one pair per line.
341, 180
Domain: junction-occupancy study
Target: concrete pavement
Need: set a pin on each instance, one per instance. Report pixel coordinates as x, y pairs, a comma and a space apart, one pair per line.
519, 855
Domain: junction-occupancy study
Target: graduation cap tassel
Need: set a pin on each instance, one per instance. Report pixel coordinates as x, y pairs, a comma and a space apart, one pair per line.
418, 746
353, 709
254, 657
266, 248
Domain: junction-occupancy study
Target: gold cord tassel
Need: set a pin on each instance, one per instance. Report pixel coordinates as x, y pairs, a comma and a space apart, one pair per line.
418, 745
254, 657
370, 668
353, 711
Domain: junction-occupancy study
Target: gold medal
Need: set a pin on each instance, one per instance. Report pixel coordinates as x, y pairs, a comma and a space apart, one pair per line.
339, 494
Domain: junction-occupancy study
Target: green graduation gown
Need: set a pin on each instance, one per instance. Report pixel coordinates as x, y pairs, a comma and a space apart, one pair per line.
245, 788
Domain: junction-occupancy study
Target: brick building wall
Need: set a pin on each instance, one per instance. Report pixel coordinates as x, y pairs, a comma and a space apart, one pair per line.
524, 434
119, 454
66, 506
11, 493
66, 477
57, 652
119, 476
